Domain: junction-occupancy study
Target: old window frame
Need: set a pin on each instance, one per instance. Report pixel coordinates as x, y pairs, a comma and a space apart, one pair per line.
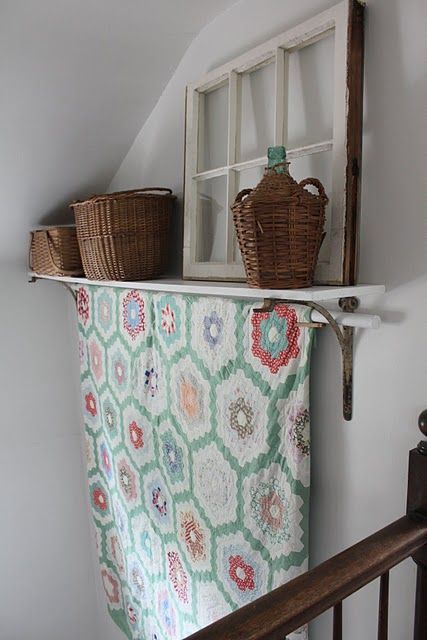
345, 21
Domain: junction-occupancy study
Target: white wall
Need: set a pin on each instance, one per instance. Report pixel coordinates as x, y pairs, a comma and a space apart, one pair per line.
47, 580
73, 79
78, 80
359, 468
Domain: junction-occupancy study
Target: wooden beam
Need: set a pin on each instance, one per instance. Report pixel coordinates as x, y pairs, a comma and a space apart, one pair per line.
355, 56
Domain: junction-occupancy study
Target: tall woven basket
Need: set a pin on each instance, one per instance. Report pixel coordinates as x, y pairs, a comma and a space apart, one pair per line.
125, 235
279, 227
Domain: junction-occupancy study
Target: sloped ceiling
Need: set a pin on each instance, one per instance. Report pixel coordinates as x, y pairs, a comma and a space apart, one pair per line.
78, 79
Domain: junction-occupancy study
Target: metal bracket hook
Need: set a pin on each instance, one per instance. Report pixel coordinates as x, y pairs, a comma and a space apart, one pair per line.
71, 290
345, 338
33, 278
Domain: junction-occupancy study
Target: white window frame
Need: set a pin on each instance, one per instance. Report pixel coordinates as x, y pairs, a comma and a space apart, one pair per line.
339, 267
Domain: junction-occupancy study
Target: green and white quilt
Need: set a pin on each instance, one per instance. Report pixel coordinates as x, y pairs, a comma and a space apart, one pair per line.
197, 441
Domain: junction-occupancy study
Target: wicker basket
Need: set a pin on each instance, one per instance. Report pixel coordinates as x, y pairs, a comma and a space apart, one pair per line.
125, 235
279, 226
54, 251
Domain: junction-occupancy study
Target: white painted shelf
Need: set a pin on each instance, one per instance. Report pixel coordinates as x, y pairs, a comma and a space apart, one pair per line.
240, 290
229, 289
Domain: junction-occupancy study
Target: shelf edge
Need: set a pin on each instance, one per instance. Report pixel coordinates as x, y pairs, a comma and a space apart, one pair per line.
227, 289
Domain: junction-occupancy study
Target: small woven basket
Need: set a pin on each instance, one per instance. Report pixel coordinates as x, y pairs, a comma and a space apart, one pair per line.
125, 235
54, 251
279, 227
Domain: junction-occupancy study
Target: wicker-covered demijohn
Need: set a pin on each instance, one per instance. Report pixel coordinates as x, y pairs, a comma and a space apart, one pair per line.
279, 227
54, 251
125, 235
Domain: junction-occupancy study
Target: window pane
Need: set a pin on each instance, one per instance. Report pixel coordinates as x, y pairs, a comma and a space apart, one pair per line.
318, 165
257, 112
213, 129
249, 178
211, 220
311, 89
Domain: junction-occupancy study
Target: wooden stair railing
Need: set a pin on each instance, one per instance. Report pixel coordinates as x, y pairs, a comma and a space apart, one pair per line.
287, 608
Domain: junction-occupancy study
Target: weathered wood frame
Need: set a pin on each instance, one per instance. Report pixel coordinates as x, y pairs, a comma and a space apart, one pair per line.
345, 20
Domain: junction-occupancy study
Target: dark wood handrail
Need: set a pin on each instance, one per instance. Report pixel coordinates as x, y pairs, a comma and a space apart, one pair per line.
296, 603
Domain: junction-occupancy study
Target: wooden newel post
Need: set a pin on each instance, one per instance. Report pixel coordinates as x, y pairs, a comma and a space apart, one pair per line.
417, 510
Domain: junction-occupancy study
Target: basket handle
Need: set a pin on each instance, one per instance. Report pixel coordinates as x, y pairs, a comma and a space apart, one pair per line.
48, 243
30, 251
130, 192
242, 194
315, 183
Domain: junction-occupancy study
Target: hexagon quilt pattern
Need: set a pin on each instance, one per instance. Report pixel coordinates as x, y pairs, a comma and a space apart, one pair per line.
197, 444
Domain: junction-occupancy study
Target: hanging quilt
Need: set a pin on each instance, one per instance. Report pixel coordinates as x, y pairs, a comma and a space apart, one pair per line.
197, 441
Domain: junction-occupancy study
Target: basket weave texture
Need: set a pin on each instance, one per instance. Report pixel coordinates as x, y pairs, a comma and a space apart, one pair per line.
279, 227
54, 251
125, 235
